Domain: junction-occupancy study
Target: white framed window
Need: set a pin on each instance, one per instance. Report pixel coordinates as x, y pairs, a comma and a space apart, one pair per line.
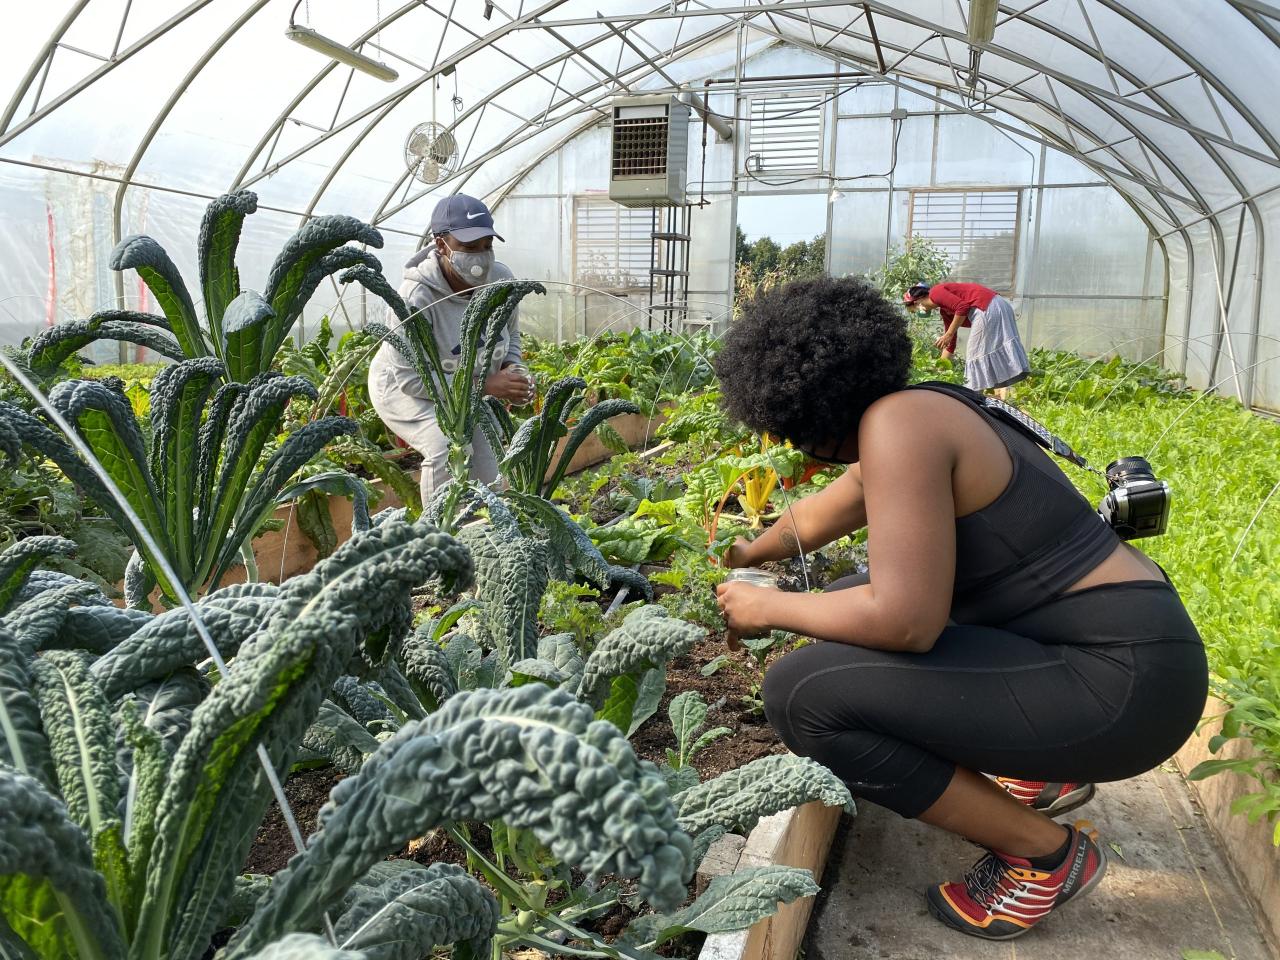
976, 228
612, 244
786, 133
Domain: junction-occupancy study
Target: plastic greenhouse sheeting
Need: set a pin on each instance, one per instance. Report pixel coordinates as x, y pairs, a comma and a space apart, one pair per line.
124, 116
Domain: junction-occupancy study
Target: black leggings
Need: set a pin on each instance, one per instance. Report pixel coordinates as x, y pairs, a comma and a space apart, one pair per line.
1099, 685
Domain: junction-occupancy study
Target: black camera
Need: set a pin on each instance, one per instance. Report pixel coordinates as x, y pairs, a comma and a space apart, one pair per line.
1138, 504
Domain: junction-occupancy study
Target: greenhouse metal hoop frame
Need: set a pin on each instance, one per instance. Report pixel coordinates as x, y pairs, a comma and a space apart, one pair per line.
793, 22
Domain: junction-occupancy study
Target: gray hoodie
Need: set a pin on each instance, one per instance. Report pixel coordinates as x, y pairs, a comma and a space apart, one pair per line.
425, 286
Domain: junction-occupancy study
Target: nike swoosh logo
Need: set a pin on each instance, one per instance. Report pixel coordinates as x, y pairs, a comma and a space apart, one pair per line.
472, 216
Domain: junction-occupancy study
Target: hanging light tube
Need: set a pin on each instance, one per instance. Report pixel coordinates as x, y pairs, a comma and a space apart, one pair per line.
338, 51
982, 20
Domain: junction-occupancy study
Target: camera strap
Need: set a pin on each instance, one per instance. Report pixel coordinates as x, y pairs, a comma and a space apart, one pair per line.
1033, 428
1027, 425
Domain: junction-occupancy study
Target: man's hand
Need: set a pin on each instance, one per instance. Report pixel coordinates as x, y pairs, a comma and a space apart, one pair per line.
736, 555
746, 609
942, 341
509, 386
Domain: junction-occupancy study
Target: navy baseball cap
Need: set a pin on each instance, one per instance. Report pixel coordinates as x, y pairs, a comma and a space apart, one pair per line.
464, 217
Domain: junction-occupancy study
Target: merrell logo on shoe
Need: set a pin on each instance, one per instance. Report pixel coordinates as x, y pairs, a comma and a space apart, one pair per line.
1077, 864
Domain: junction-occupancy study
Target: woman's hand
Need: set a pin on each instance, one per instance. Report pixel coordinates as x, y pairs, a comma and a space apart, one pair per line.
738, 553
746, 609
509, 386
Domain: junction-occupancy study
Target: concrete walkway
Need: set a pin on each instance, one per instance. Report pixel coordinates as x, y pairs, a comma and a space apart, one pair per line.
1167, 889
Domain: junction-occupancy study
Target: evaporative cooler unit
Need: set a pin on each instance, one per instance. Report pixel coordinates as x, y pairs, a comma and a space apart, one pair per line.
650, 151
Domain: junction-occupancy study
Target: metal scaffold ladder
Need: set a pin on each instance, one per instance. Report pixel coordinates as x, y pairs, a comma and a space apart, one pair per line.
669, 269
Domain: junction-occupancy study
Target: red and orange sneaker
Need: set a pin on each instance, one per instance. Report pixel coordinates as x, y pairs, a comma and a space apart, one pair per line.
1051, 799
1003, 897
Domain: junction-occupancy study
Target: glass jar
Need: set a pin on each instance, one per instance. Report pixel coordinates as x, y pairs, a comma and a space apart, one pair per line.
752, 575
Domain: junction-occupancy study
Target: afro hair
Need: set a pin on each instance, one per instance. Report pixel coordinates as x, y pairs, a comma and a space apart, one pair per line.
805, 360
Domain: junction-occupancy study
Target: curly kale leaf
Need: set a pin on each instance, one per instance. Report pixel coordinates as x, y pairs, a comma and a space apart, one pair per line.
164, 281
96, 629
573, 550
50, 893
736, 800
408, 914
532, 757
178, 397
343, 741
511, 577
590, 420
306, 258
18, 560
54, 345
215, 791
42, 581
428, 670
297, 450
39, 620
81, 734
170, 641
647, 639
22, 739
360, 701
732, 902
216, 251
105, 421
244, 327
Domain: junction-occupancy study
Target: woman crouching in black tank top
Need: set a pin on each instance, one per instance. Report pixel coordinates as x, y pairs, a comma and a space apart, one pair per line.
1003, 628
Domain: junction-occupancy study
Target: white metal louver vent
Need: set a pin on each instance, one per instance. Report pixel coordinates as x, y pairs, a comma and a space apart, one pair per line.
978, 230
786, 133
612, 244
649, 151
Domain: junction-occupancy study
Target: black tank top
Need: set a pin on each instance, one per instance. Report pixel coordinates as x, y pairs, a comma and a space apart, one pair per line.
1030, 544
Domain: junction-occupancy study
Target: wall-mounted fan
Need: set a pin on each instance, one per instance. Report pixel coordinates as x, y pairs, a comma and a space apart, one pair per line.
431, 152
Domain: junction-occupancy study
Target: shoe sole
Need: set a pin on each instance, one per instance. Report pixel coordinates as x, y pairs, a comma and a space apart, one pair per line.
979, 934
1074, 800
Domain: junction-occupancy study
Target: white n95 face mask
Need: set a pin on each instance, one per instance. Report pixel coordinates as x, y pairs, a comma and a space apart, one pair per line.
473, 268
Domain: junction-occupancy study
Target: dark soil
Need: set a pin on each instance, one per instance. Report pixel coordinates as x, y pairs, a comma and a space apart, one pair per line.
306, 792
726, 692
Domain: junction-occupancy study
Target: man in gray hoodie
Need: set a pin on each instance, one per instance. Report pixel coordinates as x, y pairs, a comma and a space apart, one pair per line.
438, 281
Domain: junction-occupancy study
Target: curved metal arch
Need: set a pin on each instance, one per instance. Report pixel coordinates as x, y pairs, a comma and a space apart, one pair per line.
515, 138
1210, 149
92, 77
310, 86
399, 95
1182, 231
1183, 54
1031, 98
690, 46
530, 72
143, 145
46, 52
1259, 224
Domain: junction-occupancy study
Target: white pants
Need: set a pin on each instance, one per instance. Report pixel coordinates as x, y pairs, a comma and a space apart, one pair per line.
413, 420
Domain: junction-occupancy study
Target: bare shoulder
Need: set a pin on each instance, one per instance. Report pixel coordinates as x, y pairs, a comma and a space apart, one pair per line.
906, 425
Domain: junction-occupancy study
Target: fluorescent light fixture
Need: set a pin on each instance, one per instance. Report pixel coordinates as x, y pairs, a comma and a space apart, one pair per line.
340, 52
982, 20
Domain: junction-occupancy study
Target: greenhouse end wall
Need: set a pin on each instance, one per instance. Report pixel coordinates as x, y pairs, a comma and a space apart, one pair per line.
1087, 274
